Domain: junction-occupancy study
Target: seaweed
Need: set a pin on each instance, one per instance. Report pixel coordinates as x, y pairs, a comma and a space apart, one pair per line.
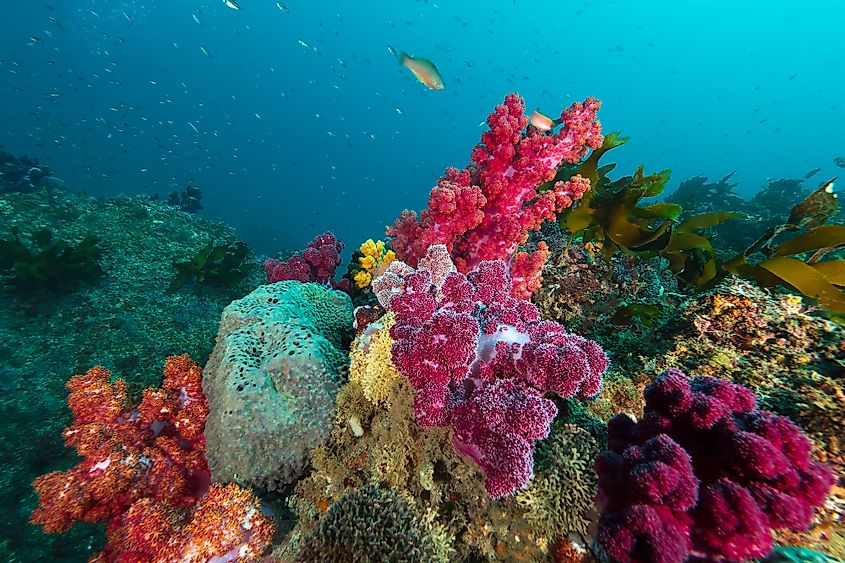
221, 266
796, 263
53, 265
611, 213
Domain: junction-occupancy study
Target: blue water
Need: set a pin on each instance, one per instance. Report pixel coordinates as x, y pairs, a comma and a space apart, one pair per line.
297, 111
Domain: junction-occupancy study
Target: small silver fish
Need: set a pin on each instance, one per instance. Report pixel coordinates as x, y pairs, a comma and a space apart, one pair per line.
232, 4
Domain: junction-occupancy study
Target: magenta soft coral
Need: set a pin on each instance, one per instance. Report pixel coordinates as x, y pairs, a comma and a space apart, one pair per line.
705, 474
317, 263
481, 360
484, 212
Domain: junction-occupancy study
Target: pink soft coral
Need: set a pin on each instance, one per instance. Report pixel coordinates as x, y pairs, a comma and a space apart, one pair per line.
481, 360
317, 263
704, 474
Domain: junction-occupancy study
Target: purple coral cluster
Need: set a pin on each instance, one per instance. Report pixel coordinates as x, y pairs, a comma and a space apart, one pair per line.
704, 474
317, 263
481, 360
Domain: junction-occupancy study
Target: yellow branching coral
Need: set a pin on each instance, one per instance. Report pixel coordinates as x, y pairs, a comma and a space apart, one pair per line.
371, 365
363, 279
373, 261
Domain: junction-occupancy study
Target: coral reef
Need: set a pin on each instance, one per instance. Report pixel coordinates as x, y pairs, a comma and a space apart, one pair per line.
703, 473
485, 211
472, 425
480, 361
272, 379
370, 524
317, 263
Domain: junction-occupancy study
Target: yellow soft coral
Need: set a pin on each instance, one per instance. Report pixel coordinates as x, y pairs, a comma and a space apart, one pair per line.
373, 262
363, 279
367, 262
371, 366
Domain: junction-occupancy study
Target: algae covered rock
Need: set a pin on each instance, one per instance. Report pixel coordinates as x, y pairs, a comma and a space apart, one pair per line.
271, 381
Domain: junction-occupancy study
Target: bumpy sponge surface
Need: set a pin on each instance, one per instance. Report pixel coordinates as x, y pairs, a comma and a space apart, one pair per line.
271, 381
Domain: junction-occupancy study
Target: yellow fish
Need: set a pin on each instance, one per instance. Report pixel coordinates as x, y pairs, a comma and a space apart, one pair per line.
423, 69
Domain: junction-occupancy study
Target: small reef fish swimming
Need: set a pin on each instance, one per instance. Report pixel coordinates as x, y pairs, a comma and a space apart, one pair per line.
839, 161
542, 121
231, 4
423, 69
812, 173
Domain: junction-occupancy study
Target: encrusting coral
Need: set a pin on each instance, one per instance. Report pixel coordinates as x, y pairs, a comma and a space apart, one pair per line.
272, 379
370, 524
559, 499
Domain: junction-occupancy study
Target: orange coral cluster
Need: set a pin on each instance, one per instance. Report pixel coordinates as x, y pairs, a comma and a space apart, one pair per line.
227, 524
144, 471
155, 451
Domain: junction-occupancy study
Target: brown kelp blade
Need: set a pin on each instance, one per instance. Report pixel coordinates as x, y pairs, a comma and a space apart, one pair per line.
816, 208
803, 278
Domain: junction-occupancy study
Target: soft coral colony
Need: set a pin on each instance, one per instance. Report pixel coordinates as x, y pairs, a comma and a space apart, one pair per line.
454, 380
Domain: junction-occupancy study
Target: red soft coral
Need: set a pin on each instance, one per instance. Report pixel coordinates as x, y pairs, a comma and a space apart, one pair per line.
485, 211
156, 450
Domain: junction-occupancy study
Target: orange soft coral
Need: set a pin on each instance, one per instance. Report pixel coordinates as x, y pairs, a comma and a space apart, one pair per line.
156, 451
226, 524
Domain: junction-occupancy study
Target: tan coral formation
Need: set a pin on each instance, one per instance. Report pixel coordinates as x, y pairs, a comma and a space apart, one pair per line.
443, 488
